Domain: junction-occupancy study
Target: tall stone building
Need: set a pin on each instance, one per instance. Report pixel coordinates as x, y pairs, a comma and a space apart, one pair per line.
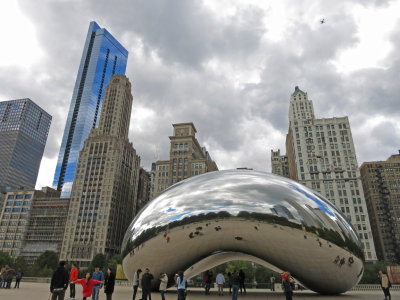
279, 163
14, 217
321, 155
381, 182
186, 159
46, 225
104, 191
144, 189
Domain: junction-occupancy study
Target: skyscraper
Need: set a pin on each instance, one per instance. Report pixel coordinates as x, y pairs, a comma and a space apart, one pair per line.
187, 159
104, 192
320, 154
102, 57
381, 182
24, 127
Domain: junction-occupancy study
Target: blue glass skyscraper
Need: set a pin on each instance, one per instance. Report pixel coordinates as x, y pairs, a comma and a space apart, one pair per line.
103, 56
24, 127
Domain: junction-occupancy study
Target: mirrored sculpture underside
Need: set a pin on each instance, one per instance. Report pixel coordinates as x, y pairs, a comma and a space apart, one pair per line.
222, 216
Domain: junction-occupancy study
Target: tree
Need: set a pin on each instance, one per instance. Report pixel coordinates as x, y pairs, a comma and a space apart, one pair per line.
371, 271
5, 259
99, 260
47, 260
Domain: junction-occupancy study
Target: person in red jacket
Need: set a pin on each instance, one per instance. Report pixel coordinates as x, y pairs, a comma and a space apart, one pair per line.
72, 277
87, 285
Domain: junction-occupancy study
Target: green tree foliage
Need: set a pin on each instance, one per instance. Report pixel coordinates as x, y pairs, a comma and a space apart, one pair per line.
371, 272
99, 260
47, 260
5, 259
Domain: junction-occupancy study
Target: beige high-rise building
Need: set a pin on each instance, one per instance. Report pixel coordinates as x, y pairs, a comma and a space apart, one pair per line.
279, 163
14, 217
321, 155
104, 192
144, 189
381, 182
187, 158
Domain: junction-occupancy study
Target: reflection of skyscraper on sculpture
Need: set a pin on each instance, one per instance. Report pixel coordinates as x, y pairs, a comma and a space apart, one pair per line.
102, 57
320, 154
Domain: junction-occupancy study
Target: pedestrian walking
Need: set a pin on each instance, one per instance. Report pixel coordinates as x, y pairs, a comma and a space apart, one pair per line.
235, 285
207, 279
220, 280
99, 276
163, 285
18, 277
272, 280
146, 284
136, 278
385, 284
181, 283
242, 277
109, 283
72, 277
59, 282
287, 286
88, 284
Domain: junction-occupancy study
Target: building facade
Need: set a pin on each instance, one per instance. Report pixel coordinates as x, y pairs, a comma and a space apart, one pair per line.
102, 57
105, 188
24, 127
144, 189
381, 182
46, 226
279, 163
14, 217
187, 159
321, 155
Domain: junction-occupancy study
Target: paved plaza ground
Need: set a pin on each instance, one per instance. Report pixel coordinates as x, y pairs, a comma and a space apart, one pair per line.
40, 291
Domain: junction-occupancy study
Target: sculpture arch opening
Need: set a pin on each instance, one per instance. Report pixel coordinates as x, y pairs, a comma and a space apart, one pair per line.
269, 219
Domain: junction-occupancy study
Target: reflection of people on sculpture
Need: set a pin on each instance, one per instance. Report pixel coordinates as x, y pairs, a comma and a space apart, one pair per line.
342, 261
230, 278
385, 284
272, 281
220, 280
242, 276
337, 259
351, 260
287, 286
207, 279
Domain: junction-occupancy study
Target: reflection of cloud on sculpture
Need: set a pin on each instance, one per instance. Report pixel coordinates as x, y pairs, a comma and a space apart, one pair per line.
272, 219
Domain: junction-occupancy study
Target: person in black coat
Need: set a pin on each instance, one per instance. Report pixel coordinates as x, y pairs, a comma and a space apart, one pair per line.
146, 284
242, 276
59, 282
109, 282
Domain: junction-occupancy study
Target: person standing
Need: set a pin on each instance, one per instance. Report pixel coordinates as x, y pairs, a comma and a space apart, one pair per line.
230, 282
136, 278
163, 285
385, 284
87, 285
235, 285
181, 283
272, 280
72, 277
208, 280
9, 277
59, 282
2, 277
109, 283
287, 286
146, 284
242, 277
220, 280
18, 277
99, 276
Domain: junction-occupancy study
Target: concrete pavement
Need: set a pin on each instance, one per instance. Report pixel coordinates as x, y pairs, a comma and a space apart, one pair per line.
40, 291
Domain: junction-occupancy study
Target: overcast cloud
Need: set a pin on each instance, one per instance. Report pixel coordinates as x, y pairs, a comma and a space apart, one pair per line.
227, 66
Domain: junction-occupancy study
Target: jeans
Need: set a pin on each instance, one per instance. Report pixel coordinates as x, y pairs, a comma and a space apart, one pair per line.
235, 290
135, 287
17, 281
220, 289
108, 296
242, 286
95, 294
162, 295
289, 295
181, 294
72, 290
208, 286
58, 295
386, 293
145, 293
272, 286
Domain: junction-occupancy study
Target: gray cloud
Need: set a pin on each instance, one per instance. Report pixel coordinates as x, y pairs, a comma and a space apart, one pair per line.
186, 63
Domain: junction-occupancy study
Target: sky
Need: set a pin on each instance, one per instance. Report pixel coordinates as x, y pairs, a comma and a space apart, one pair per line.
227, 66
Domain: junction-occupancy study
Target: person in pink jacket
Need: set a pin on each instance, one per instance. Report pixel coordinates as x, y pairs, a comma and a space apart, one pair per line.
87, 285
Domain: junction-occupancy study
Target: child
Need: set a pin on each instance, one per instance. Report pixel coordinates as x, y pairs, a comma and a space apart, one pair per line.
87, 285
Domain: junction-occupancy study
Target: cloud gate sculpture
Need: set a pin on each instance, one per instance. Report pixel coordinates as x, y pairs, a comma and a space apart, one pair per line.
222, 216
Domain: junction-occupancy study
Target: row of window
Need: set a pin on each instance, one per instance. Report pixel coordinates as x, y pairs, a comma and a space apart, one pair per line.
20, 196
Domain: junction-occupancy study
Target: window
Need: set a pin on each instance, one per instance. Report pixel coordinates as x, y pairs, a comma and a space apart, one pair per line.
10, 197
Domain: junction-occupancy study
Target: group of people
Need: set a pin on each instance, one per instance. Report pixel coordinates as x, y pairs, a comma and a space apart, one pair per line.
220, 281
7, 275
91, 283
145, 283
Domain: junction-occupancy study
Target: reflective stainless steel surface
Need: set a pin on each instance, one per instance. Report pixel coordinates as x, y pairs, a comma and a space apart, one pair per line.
240, 214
